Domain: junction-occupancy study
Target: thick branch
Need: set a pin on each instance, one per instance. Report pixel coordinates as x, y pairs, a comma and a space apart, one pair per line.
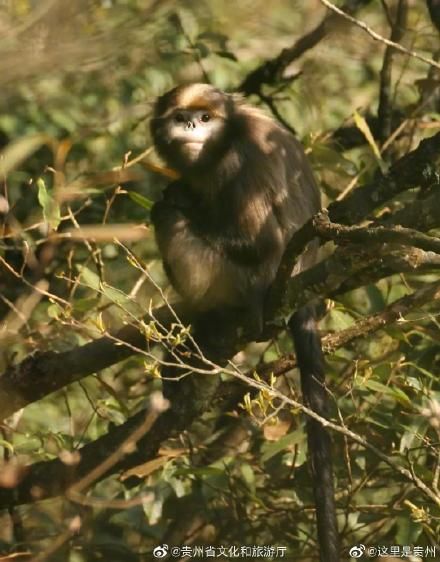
402, 260
421, 214
358, 265
362, 328
272, 70
50, 478
352, 267
341, 234
421, 167
42, 373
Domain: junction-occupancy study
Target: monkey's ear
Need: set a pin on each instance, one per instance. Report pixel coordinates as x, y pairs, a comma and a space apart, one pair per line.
164, 101
160, 105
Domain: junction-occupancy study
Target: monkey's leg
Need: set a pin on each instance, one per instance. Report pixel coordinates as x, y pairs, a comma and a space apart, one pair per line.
311, 366
216, 332
253, 321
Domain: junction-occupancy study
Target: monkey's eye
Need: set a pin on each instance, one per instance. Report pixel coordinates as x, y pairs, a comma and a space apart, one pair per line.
179, 118
205, 117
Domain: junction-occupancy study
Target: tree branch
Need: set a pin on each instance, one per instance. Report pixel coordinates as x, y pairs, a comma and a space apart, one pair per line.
362, 328
340, 233
421, 167
43, 373
50, 478
272, 70
352, 267
377, 37
384, 112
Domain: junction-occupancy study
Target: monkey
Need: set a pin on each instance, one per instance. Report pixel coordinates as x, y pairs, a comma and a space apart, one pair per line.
245, 188
434, 12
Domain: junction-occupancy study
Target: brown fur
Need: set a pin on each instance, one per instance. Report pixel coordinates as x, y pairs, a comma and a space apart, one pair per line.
259, 175
245, 188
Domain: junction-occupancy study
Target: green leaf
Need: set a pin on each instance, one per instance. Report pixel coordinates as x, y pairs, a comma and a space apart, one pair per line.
391, 391
270, 449
339, 320
203, 49
51, 209
248, 476
363, 127
7, 445
54, 311
325, 157
141, 200
408, 531
376, 299
227, 55
115, 296
85, 304
19, 150
214, 38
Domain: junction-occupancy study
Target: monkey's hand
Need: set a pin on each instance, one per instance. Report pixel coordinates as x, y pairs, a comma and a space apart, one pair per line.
178, 196
171, 215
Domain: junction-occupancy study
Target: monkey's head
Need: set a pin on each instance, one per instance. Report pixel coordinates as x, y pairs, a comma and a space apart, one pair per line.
189, 125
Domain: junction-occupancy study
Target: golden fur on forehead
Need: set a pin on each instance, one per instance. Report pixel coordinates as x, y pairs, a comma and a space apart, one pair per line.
200, 97
193, 94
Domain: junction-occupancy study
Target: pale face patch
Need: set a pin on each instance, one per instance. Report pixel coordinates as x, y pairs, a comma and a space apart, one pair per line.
191, 130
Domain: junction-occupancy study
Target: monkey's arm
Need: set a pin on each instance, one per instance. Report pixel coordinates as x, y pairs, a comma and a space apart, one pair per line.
176, 221
173, 214
171, 219
248, 251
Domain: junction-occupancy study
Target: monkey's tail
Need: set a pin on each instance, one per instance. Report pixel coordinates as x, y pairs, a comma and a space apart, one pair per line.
310, 361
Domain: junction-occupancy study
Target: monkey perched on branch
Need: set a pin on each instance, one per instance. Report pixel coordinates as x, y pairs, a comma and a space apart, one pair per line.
245, 187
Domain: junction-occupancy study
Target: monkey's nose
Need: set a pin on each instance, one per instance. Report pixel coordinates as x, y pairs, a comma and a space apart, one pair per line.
190, 125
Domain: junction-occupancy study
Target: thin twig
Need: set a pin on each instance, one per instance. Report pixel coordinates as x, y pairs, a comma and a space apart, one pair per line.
377, 37
385, 110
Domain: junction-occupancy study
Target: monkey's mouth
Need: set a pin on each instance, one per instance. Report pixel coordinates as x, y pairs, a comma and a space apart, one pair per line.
191, 149
192, 142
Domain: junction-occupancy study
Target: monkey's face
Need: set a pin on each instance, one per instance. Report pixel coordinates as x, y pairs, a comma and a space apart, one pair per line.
189, 125
190, 131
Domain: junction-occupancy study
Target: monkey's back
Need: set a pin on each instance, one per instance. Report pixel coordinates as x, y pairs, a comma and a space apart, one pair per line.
281, 173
